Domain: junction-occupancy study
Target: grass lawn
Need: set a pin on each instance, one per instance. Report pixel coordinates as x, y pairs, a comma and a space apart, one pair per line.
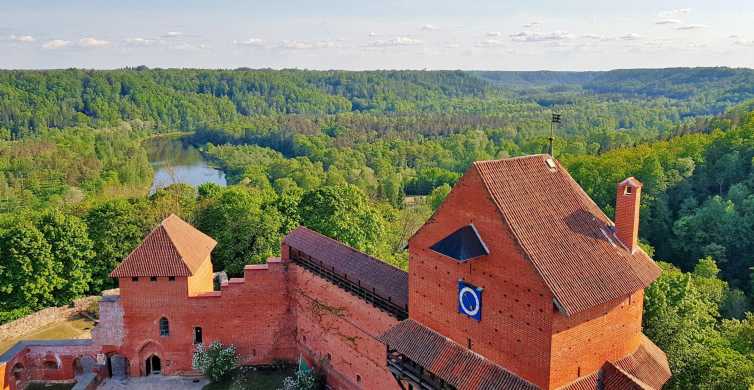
249, 378
73, 328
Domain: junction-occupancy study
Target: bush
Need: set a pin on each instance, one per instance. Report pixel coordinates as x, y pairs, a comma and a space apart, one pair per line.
303, 379
215, 361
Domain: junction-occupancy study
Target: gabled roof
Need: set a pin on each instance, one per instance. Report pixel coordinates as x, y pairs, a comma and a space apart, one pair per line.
454, 364
174, 248
463, 244
570, 242
370, 273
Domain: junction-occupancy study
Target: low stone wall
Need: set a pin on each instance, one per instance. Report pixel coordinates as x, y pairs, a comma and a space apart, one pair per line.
44, 317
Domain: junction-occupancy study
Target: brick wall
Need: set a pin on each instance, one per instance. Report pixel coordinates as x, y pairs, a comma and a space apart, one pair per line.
252, 313
109, 330
583, 342
337, 331
49, 360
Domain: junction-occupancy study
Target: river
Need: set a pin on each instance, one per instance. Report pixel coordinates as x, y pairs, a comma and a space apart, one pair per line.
176, 161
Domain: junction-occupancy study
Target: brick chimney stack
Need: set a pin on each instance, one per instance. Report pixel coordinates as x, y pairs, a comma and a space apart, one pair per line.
627, 212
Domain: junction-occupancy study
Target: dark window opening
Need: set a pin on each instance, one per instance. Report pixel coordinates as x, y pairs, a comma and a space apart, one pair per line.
468, 340
197, 335
463, 244
171, 278
18, 371
152, 278
628, 190
51, 365
135, 279
164, 327
358, 378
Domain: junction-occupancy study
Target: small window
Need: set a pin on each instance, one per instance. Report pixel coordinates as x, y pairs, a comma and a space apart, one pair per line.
135, 279
358, 378
164, 327
51, 365
152, 278
628, 190
468, 341
171, 278
197, 335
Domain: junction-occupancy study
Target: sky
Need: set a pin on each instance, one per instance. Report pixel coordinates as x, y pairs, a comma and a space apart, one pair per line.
375, 34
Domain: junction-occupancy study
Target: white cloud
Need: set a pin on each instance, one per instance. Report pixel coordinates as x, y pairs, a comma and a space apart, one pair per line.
630, 37
93, 43
691, 27
185, 46
529, 36
532, 24
305, 45
251, 42
595, 37
744, 42
139, 41
56, 44
173, 34
373, 34
668, 21
397, 41
22, 38
430, 27
494, 34
674, 13
490, 43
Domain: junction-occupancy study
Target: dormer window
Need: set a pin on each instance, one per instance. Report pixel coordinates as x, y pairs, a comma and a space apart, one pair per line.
152, 278
462, 245
171, 278
135, 279
628, 190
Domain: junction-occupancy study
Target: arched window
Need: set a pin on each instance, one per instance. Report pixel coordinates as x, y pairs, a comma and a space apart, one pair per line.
164, 327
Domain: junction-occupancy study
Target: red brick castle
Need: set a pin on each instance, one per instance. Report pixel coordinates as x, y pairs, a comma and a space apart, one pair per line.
518, 281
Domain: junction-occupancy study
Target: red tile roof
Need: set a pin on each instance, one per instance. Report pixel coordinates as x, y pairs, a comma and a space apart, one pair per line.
648, 364
367, 271
645, 369
174, 248
568, 239
457, 366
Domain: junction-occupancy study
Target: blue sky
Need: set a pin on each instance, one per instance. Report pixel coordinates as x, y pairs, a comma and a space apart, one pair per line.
500, 35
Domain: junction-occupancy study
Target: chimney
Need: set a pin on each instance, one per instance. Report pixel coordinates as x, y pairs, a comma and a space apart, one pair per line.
627, 212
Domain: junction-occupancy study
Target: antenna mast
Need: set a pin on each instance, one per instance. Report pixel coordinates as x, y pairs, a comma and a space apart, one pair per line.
555, 120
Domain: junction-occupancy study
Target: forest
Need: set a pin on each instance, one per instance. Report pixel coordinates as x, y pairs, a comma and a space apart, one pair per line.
365, 157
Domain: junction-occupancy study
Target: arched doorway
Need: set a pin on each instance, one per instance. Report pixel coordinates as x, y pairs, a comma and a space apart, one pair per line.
153, 365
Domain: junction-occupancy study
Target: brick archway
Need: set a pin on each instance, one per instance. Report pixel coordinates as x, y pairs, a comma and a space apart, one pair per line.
149, 349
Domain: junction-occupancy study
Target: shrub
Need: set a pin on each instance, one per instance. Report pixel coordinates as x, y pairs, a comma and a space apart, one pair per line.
215, 361
304, 378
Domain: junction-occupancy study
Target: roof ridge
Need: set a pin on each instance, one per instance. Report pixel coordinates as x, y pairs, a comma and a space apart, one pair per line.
171, 240
526, 156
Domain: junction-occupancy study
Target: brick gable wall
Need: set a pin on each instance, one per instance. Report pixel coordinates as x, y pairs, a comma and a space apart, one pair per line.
517, 307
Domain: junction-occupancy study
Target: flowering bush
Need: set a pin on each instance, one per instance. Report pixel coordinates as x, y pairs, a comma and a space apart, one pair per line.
215, 361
